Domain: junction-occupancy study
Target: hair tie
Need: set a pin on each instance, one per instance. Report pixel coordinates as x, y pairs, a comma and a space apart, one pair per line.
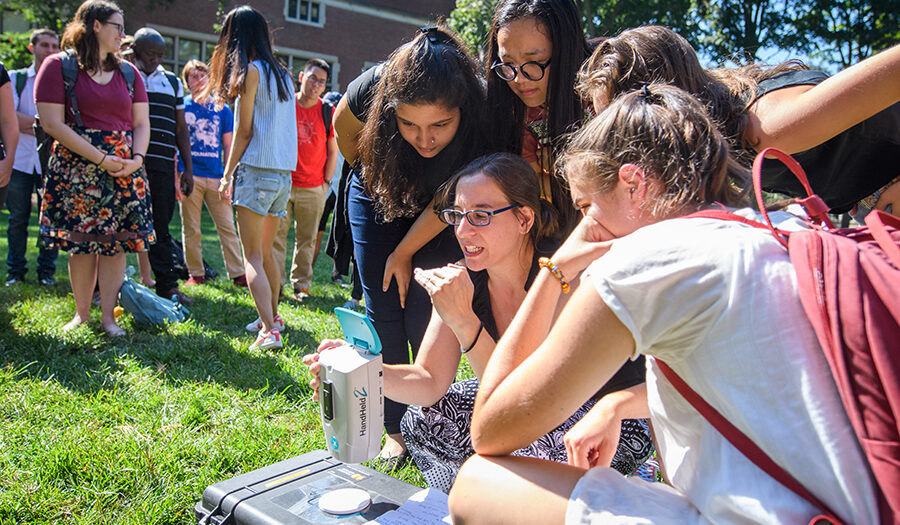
650, 98
435, 35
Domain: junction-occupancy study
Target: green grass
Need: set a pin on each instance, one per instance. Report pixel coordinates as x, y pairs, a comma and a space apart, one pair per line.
131, 430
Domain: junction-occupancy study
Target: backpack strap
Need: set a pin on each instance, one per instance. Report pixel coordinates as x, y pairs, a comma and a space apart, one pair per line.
128, 72
70, 76
173, 80
814, 205
21, 79
878, 223
743, 443
327, 111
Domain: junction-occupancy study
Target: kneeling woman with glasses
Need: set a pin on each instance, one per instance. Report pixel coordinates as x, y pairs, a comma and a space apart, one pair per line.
502, 225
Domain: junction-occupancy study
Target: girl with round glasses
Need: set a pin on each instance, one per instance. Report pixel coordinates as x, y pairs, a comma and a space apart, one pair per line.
536, 49
502, 226
410, 133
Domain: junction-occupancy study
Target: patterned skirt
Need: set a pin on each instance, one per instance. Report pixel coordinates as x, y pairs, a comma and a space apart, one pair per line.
439, 442
85, 210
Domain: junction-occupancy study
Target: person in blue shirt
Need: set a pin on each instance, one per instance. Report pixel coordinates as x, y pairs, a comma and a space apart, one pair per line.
211, 130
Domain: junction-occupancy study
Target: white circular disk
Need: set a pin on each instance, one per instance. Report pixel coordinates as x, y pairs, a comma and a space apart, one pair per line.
344, 501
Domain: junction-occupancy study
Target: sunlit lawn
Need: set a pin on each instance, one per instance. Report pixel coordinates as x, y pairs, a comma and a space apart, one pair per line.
131, 430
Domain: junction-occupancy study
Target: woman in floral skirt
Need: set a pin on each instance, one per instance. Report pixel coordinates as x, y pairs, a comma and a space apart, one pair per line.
96, 204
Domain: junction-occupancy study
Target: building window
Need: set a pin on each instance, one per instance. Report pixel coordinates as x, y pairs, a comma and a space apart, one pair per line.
179, 50
295, 63
305, 11
13, 21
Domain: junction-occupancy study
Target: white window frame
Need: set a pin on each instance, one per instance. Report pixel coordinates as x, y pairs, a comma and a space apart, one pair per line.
175, 64
291, 17
293, 55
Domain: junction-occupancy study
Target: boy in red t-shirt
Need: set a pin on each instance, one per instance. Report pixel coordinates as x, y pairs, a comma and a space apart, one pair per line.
316, 159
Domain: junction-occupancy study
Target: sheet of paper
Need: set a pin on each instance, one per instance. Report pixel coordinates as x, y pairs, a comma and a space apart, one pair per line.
426, 507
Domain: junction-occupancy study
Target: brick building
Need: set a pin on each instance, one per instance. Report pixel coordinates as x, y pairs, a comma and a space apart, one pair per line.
350, 35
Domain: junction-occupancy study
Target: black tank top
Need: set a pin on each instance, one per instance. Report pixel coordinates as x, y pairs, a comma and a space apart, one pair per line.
846, 168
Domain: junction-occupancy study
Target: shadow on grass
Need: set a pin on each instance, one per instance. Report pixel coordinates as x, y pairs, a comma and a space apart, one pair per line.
209, 348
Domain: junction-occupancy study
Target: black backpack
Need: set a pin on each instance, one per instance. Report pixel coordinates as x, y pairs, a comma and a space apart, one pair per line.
70, 76
327, 111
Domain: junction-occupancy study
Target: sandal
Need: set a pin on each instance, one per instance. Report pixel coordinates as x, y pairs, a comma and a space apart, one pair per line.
114, 330
393, 463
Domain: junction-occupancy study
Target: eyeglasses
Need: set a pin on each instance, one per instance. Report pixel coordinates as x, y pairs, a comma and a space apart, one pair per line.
120, 27
317, 82
475, 217
533, 71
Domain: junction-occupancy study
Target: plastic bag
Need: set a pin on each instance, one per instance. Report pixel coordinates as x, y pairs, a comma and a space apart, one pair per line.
147, 307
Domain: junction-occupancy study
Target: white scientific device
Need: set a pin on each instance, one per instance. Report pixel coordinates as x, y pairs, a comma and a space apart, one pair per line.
351, 398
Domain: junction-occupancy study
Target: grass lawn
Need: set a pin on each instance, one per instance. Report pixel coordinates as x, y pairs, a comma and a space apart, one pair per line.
131, 430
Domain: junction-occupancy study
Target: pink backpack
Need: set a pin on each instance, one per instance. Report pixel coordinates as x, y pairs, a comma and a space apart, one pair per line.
849, 284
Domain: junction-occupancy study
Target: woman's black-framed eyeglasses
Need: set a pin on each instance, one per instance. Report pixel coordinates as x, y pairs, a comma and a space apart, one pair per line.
533, 71
475, 217
119, 27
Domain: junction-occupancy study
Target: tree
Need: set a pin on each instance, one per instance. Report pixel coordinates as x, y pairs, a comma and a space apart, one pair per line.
843, 32
471, 20
52, 14
14, 50
737, 29
611, 17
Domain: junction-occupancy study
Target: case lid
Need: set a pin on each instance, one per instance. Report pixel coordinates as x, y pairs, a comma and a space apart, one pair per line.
358, 330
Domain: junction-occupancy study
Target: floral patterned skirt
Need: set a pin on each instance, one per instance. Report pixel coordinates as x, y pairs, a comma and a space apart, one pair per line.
87, 211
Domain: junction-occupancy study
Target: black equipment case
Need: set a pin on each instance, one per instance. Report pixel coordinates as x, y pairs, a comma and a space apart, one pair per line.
288, 493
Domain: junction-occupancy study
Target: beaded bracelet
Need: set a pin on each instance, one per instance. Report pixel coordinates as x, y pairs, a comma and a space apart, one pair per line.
545, 262
471, 346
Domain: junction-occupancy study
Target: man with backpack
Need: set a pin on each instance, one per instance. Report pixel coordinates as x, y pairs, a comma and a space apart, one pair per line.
26, 174
167, 130
316, 159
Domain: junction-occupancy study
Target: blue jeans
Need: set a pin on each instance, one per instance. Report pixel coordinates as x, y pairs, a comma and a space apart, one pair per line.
398, 328
18, 200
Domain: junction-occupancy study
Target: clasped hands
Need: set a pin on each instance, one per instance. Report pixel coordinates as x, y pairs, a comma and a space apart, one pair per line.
118, 167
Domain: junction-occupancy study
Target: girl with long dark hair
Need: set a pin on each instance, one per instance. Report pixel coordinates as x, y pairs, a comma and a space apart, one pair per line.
536, 49
244, 71
413, 121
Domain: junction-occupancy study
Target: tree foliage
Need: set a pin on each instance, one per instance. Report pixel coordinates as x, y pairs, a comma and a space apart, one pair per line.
610, 17
14, 50
52, 14
843, 32
737, 29
471, 20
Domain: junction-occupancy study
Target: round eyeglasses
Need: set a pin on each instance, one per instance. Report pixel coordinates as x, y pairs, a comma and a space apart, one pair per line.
475, 217
533, 71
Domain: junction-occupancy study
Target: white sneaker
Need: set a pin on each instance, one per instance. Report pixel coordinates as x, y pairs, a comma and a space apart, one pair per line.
257, 325
266, 341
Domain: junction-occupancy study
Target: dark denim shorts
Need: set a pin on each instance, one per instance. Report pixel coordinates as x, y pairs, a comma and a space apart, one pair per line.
264, 191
